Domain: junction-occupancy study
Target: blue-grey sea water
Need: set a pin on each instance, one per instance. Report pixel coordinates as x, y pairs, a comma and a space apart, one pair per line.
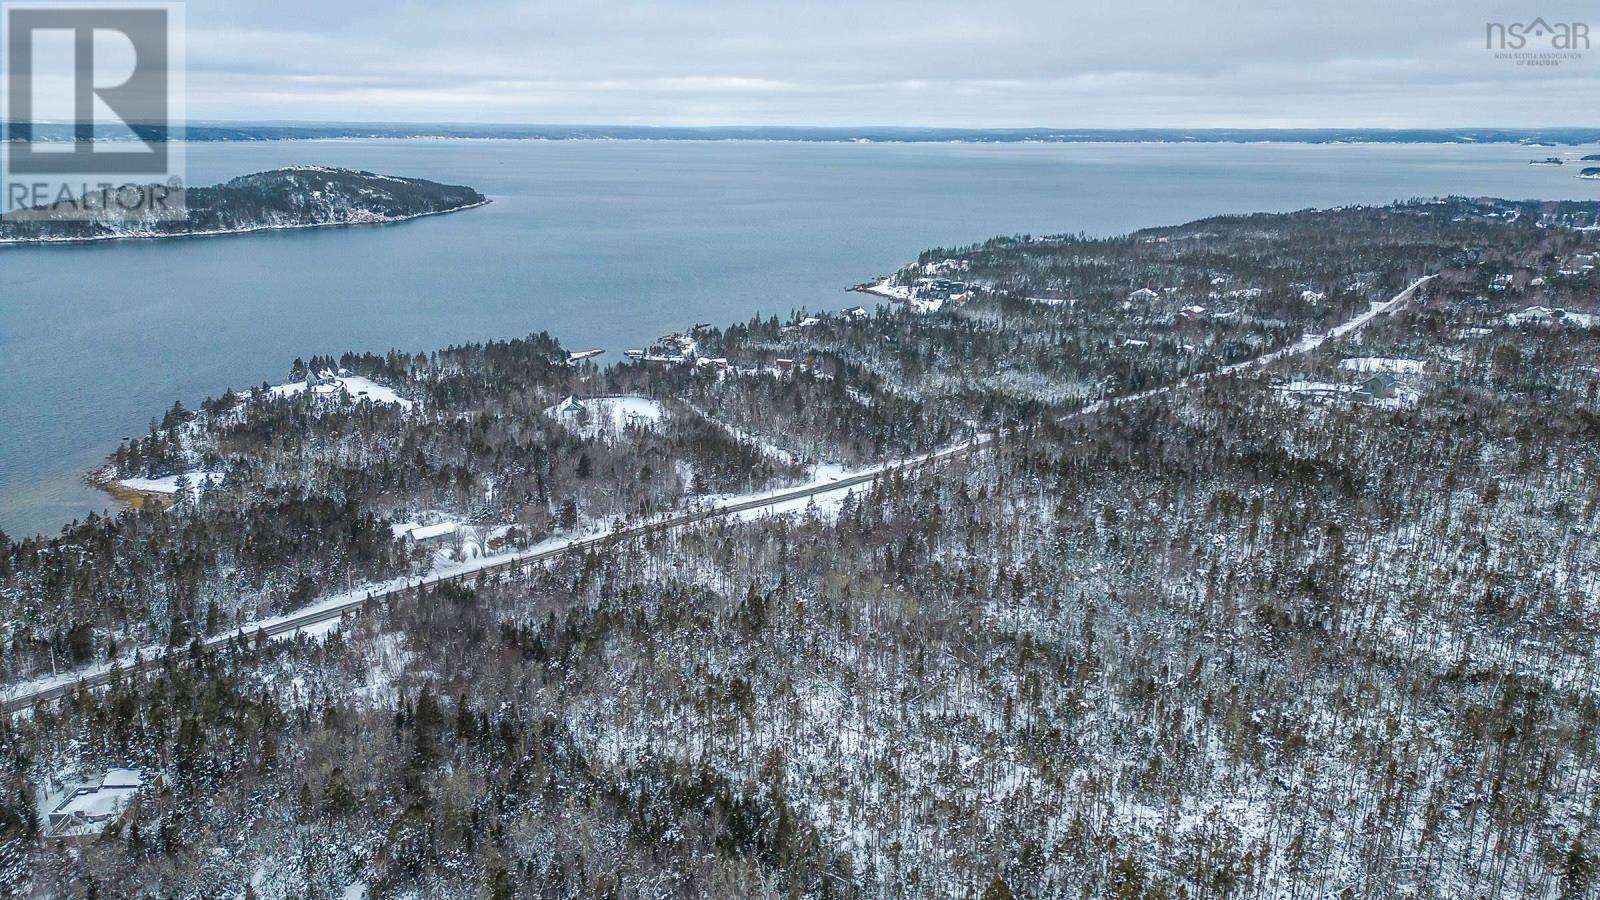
602, 243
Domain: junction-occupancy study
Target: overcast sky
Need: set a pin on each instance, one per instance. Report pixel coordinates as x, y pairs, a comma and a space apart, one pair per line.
1177, 63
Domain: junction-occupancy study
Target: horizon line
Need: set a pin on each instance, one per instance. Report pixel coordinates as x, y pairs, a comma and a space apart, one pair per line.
884, 126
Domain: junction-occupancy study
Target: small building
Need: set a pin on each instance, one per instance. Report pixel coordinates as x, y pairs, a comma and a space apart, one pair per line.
783, 365
323, 383
86, 810
440, 535
1144, 295
1379, 387
463, 540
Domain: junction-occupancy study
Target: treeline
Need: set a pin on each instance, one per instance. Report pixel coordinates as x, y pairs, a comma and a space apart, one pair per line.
1235, 640
1227, 645
280, 198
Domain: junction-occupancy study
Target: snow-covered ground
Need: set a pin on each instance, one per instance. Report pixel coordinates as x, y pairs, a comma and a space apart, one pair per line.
1544, 315
198, 482
419, 532
768, 449
361, 217
343, 384
1368, 365
824, 501
356, 386
1317, 388
897, 292
1404, 397
602, 416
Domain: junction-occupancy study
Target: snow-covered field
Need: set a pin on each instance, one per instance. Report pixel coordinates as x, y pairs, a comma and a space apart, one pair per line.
1317, 388
1544, 315
1368, 365
825, 504
885, 288
357, 387
1403, 398
198, 482
603, 416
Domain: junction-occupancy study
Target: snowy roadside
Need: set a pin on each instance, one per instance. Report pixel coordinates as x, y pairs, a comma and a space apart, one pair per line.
818, 493
787, 500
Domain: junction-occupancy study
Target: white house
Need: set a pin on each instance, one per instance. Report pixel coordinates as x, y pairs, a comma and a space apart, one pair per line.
465, 541
86, 810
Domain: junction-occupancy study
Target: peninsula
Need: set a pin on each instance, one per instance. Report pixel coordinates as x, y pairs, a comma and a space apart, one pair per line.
299, 197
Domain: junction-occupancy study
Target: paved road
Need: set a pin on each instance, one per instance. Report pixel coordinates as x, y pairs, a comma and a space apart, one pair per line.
95, 678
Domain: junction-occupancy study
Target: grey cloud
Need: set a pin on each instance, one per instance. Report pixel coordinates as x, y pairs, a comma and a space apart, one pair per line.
1015, 62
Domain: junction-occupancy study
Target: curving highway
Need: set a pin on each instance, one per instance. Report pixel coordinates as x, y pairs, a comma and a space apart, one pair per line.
28, 695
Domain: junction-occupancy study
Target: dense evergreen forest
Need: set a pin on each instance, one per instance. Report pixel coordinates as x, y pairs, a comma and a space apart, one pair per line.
1321, 628
301, 197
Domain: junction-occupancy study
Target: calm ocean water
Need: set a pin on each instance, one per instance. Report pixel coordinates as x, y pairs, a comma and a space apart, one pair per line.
604, 244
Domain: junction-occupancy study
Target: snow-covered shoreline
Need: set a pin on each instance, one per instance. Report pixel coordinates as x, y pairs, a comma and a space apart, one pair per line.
825, 491
134, 492
153, 236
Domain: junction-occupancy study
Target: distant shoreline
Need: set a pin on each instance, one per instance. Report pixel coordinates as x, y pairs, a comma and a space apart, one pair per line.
256, 229
223, 132
966, 142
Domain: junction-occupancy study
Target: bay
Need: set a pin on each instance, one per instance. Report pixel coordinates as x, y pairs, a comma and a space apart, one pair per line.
605, 244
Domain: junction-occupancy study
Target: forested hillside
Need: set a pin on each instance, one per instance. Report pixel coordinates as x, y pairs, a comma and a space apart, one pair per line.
301, 197
1324, 627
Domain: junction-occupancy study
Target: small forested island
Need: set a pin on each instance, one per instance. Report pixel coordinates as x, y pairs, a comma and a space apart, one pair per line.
298, 197
1247, 557
1590, 172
